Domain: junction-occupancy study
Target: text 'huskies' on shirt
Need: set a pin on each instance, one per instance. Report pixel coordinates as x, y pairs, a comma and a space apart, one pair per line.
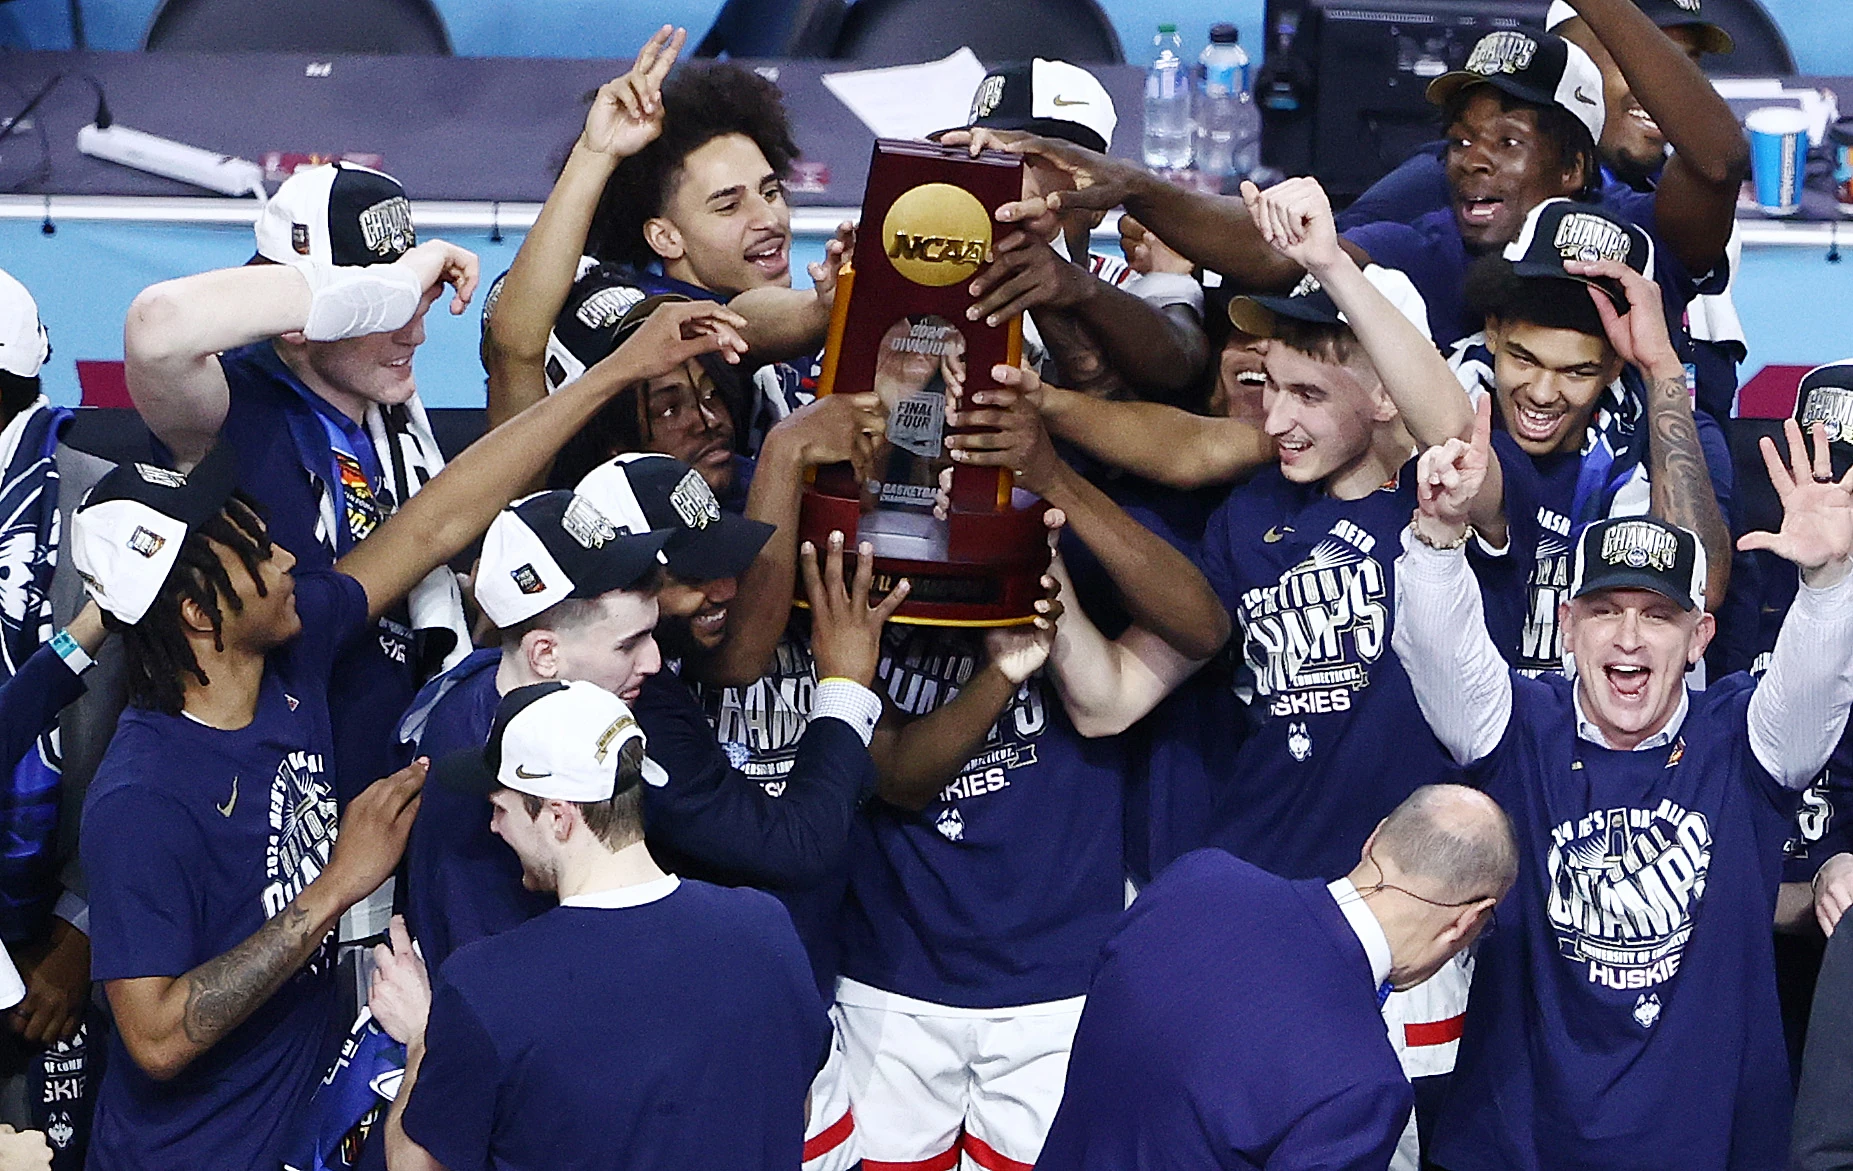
1335, 740
1000, 892
1624, 1015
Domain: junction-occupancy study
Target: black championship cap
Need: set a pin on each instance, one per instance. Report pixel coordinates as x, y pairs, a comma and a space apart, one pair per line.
1540, 68
1561, 230
551, 546
126, 535
340, 213
1052, 98
1310, 302
601, 312
1640, 553
707, 542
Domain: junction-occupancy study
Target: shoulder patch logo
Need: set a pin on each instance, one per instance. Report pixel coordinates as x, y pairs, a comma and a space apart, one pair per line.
146, 542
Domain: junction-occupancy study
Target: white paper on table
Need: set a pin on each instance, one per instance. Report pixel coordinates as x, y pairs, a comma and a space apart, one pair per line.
911, 101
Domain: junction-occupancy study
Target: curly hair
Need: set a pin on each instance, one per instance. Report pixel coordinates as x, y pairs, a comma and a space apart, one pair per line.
701, 103
159, 657
1564, 133
1494, 290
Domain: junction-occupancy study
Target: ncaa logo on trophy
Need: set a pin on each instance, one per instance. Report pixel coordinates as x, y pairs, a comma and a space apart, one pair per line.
898, 328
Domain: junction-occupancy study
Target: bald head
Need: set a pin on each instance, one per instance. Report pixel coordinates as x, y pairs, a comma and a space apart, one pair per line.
1454, 838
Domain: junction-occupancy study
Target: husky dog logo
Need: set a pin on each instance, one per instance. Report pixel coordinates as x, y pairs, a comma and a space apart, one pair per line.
950, 825
1647, 1009
1299, 741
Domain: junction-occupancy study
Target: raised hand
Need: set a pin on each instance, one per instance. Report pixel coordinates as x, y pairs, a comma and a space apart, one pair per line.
437, 262
1020, 651
1101, 183
1026, 273
627, 112
834, 429
837, 252
1448, 477
1011, 432
1639, 336
1295, 218
1817, 510
845, 629
400, 991
679, 332
373, 832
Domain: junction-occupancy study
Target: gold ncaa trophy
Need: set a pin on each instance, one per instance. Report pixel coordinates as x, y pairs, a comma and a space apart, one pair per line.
898, 328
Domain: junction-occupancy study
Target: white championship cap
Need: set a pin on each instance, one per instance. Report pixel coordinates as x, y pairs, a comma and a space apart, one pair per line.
556, 741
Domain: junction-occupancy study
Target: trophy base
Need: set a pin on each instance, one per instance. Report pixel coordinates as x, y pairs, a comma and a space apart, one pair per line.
972, 569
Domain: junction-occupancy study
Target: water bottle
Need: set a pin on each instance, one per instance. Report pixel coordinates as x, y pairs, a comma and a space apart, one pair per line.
1167, 103
1228, 126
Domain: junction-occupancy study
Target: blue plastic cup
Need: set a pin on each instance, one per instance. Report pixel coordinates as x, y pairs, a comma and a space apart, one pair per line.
1778, 157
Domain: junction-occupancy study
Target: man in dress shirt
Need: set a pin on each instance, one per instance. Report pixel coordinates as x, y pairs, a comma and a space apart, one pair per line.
1611, 1024
1233, 1021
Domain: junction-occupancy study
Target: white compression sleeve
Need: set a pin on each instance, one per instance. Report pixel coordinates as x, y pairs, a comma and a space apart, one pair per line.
346, 301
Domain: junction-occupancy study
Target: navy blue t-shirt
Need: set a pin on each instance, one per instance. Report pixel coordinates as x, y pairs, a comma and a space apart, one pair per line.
1624, 1015
279, 430
192, 838
1000, 892
760, 728
682, 1033
1335, 738
461, 881
1232, 1023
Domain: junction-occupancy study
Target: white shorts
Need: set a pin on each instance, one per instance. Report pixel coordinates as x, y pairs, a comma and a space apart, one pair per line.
830, 1140
936, 1087
1425, 1021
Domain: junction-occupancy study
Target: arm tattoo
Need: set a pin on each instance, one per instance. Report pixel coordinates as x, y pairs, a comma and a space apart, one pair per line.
226, 989
1682, 487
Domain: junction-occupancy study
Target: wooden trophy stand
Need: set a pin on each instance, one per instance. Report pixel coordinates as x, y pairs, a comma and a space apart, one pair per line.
899, 328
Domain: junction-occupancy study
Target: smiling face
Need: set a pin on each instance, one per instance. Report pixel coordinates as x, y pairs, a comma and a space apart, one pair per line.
358, 371
700, 608
616, 648
1322, 414
1499, 167
726, 226
1632, 649
1548, 382
530, 836
1632, 142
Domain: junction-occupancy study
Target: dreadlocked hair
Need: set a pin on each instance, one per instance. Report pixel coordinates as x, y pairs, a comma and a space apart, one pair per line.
620, 426
700, 104
159, 657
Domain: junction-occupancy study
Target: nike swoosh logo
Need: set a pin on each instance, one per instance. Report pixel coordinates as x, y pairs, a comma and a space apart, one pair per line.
231, 803
1275, 534
525, 775
1583, 97
1062, 101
